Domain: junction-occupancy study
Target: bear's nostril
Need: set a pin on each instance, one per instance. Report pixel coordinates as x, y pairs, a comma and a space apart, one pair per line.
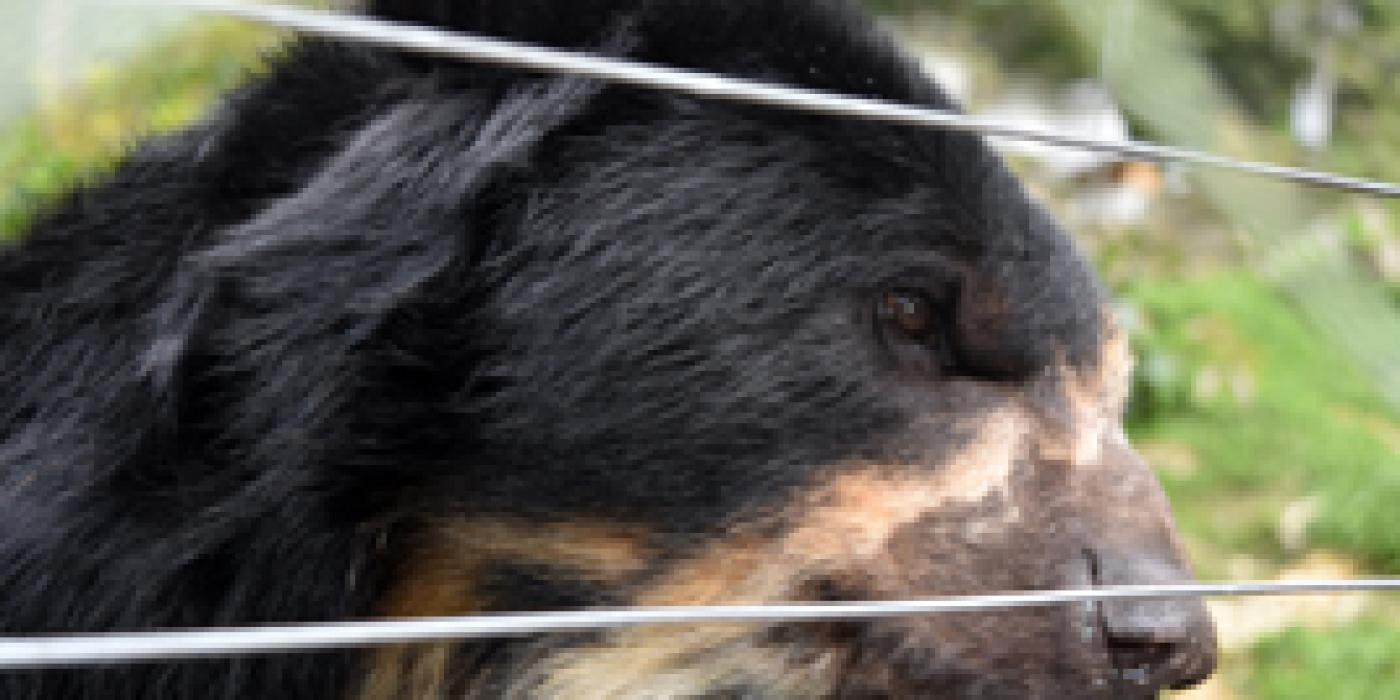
1156, 663
1158, 656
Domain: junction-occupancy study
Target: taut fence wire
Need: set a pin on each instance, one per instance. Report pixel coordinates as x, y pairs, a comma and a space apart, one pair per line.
39, 651
113, 648
501, 52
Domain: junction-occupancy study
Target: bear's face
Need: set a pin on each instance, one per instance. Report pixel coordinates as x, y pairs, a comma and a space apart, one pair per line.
722, 356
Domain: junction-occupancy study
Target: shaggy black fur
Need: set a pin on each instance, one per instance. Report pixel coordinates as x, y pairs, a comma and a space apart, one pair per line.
375, 288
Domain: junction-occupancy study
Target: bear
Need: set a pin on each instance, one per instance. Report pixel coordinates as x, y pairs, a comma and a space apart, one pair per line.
389, 335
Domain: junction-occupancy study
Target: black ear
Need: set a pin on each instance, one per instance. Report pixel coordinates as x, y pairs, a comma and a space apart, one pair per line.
285, 304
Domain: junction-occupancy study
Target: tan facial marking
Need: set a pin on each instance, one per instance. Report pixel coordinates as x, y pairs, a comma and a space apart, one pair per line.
842, 525
418, 671
441, 580
1093, 400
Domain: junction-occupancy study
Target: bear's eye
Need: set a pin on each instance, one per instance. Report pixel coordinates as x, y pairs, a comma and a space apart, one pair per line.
909, 311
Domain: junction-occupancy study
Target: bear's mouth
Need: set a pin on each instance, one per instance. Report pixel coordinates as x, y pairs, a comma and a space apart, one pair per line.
1111, 675
1121, 674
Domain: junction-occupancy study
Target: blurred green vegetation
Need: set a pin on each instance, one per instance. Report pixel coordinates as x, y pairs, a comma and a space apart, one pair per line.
1355, 662
1273, 446
1259, 49
80, 134
1260, 411
1271, 436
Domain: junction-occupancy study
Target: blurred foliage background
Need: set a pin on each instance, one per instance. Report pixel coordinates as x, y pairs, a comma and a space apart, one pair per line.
1266, 316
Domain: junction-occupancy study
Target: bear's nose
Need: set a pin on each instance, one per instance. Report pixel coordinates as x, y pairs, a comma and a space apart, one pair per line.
1159, 644
1168, 643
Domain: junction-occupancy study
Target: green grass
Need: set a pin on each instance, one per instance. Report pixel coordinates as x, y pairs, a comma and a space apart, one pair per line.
1270, 412
1356, 662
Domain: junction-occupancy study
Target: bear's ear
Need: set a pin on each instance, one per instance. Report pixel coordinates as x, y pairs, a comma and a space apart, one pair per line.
287, 301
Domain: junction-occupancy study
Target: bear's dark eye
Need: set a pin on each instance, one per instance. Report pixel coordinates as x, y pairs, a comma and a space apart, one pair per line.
913, 327
910, 312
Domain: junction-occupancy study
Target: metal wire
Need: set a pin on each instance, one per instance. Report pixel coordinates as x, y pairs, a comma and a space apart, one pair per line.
92, 649
513, 54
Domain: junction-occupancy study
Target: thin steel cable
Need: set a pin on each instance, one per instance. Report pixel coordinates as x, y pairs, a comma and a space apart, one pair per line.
93, 649
513, 54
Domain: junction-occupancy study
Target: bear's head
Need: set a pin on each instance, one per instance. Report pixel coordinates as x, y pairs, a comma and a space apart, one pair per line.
684, 352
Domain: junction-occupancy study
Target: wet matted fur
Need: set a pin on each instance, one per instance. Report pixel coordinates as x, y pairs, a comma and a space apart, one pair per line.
393, 336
